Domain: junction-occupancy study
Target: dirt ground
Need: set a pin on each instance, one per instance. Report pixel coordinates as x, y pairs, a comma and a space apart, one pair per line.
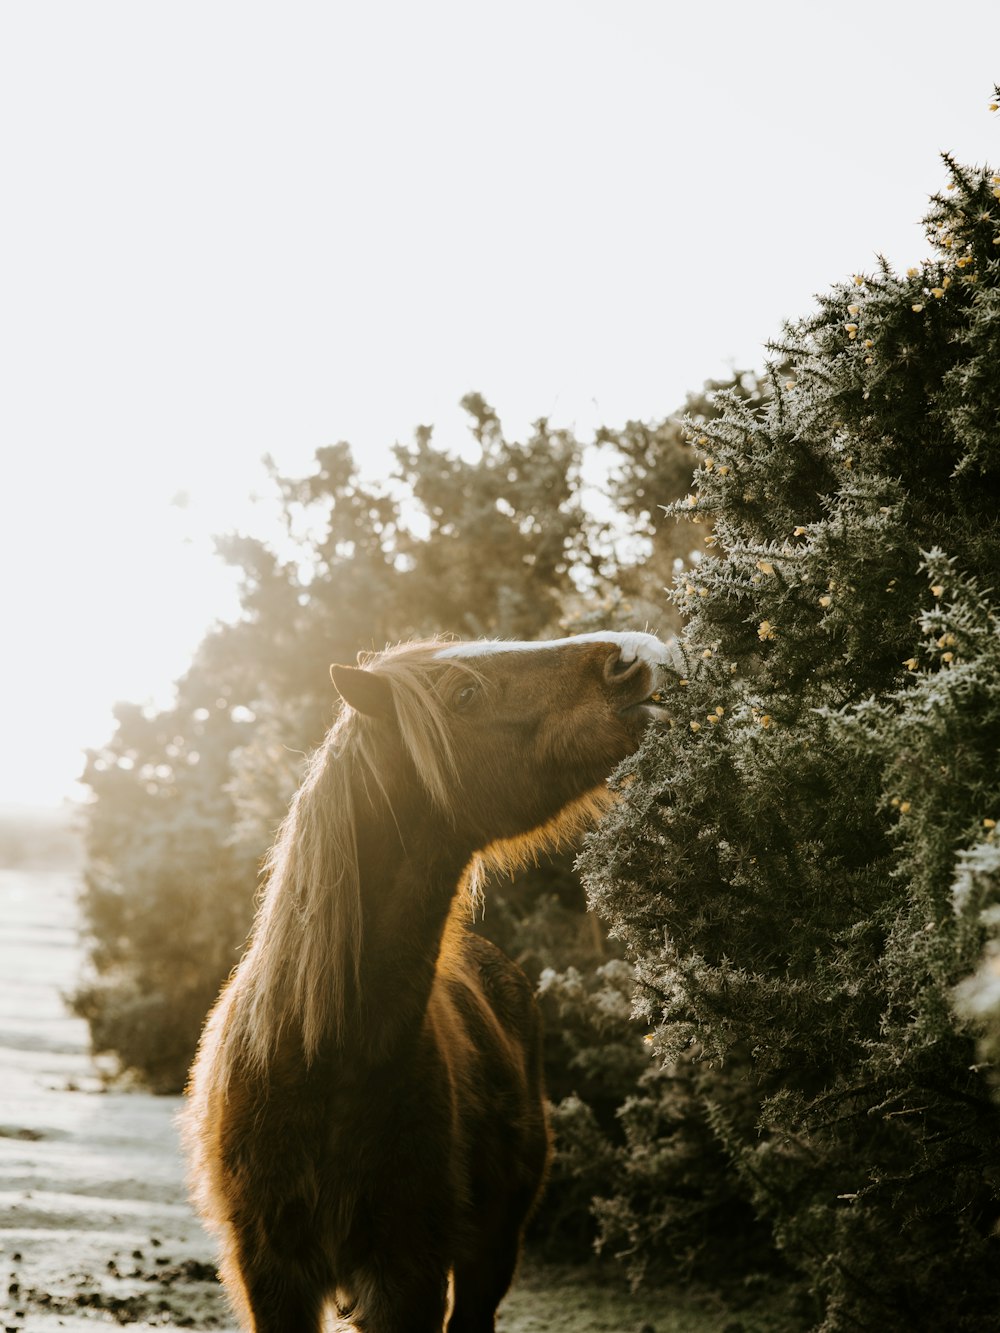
95, 1228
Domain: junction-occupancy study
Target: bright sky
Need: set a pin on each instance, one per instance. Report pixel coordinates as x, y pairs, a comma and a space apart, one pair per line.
237, 229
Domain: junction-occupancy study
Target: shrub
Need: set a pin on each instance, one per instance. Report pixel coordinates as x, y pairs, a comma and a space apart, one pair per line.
800, 866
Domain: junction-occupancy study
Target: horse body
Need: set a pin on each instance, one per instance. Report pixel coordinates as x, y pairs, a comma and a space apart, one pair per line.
365, 1114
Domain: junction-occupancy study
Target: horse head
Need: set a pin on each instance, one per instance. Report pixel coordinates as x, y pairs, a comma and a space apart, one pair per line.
520, 730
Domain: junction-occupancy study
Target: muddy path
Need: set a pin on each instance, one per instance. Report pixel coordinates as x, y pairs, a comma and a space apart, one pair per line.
94, 1223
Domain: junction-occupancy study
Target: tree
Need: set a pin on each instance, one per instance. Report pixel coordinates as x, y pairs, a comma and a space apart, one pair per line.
506, 536
187, 800
800, 864
166, 892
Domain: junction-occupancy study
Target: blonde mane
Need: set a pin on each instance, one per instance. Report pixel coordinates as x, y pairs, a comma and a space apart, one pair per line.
303, 961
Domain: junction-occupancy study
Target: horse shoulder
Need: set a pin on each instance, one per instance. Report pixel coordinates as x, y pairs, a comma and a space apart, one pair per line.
490, 1007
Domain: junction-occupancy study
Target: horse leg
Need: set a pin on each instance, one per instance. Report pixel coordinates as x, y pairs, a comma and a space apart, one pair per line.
413, 1303
483, 1276
278, 1306
279, 1295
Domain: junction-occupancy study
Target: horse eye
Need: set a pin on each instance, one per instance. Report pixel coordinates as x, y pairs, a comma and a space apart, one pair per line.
465, 695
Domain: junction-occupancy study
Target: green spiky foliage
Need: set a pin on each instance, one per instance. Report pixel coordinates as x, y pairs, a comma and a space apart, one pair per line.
803, 865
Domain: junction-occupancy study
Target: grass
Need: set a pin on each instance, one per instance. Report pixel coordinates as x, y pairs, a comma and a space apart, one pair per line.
546, 1299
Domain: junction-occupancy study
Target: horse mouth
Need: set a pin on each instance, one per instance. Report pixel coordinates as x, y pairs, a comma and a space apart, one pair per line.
653, 708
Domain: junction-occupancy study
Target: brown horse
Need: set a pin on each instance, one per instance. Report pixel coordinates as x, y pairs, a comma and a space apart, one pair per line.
365, 1115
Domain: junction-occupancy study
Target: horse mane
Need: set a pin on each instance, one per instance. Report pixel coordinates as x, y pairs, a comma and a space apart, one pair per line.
304, 956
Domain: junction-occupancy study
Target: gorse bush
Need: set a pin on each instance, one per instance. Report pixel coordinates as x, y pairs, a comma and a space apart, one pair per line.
803, 867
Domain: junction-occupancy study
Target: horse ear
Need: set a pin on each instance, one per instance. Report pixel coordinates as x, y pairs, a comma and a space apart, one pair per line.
365, 691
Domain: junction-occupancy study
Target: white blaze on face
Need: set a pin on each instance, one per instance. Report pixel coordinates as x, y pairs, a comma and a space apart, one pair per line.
631, 645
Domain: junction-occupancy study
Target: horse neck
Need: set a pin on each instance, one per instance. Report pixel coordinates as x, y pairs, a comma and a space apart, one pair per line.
409, 874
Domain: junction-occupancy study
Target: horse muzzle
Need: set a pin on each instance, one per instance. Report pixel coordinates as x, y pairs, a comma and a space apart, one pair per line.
652, 705
654, 708
649, 710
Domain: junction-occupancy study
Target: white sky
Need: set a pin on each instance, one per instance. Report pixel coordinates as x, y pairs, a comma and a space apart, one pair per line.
231, 229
